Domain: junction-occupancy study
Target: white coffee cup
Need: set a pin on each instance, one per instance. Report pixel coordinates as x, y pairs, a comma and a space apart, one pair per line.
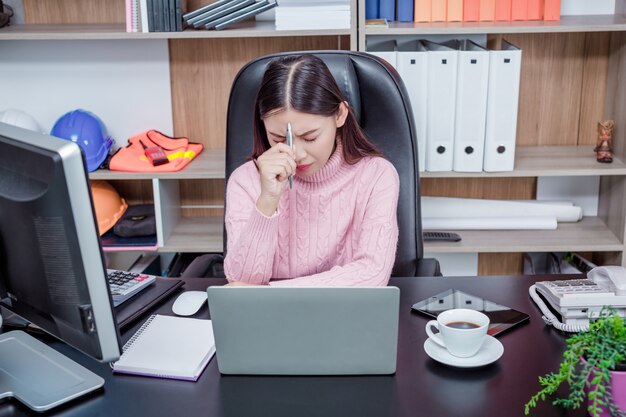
461, 331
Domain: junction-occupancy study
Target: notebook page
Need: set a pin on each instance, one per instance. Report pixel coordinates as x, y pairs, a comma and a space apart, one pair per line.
170, 347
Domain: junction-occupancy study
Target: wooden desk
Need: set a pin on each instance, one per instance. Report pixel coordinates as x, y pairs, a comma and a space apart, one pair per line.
420, 387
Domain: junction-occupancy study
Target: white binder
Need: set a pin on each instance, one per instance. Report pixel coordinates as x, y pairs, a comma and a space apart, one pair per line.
385, 50
412, 61
442, 74
502, 104
471, 107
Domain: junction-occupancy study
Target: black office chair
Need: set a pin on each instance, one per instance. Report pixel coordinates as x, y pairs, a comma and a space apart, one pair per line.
380, 102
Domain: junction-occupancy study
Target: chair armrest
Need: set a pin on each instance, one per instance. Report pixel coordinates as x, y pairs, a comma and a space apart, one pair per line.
210, 265
428, 268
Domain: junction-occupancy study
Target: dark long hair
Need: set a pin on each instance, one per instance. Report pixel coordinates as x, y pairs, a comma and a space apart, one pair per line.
305, 84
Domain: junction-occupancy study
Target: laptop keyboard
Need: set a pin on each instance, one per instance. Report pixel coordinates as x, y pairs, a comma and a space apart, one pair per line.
123, 285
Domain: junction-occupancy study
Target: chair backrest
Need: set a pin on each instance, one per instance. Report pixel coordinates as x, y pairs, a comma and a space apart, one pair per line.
379, 99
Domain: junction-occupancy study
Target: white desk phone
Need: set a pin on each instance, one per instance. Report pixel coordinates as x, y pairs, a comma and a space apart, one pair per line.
579, 300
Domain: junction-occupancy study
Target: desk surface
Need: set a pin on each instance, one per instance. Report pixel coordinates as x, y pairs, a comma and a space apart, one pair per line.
420, 387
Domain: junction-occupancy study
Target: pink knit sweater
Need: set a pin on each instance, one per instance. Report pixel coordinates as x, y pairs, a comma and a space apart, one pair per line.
337, 227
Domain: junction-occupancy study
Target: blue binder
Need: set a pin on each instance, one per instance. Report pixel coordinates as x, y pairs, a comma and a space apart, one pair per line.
405, 10
388, 10
371, 9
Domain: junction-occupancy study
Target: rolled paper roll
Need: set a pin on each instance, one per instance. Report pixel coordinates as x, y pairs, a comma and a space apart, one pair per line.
489, 223
436, 207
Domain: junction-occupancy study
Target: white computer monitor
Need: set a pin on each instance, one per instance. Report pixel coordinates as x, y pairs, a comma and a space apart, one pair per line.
52, 270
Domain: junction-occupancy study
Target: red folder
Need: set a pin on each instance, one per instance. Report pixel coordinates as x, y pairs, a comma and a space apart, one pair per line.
487, 10
519, 10
422, 10
552, 10
535, 9
471, 10
455, 11
503, 10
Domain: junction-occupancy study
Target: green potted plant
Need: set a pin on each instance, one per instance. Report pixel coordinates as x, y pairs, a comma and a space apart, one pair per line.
594, 366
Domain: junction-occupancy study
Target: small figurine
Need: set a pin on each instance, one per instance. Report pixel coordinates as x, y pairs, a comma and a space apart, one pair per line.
604, 145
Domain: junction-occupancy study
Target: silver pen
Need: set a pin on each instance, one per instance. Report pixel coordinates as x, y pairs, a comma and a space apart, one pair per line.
289, 137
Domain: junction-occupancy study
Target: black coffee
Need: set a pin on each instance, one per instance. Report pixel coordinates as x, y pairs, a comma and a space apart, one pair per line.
463, 325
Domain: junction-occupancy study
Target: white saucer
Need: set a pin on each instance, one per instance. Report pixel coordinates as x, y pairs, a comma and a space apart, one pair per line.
490, 351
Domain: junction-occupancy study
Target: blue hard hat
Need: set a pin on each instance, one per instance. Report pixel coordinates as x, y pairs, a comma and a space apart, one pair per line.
87, 131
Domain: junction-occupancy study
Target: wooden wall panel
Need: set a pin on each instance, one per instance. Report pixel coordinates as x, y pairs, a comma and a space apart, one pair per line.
550, 88
196, 4
615, 103
500, 264
202, 71
135, 192
74, 12
606, 258
201, 193
488, 188
612, 204
595, 73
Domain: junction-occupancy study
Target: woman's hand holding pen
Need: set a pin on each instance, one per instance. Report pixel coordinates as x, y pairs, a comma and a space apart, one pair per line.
275, 166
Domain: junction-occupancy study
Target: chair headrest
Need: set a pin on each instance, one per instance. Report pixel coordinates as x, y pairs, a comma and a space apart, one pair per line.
342, 68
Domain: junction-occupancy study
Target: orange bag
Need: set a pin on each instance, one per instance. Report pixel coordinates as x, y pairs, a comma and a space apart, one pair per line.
132, 158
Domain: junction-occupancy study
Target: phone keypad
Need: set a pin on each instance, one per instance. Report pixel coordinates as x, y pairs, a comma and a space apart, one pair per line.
575, 286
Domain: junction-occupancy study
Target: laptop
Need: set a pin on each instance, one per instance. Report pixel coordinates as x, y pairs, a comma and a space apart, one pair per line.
305, 331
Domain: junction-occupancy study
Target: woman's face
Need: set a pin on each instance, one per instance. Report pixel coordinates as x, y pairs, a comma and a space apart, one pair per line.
313, 136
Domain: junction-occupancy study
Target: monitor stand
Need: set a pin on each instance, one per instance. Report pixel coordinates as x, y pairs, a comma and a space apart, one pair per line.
39, 376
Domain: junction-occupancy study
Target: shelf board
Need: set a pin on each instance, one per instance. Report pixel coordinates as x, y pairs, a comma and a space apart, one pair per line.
250, 29
589, 23
196, 234
210, 164
530, 161
547, 161
589, 235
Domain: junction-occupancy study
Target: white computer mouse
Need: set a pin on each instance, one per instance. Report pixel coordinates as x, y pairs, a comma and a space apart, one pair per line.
189, 302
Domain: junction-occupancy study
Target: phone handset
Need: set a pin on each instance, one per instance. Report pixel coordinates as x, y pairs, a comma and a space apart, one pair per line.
574, 297
612, 278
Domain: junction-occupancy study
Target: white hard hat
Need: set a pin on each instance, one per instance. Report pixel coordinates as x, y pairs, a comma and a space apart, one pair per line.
21, 119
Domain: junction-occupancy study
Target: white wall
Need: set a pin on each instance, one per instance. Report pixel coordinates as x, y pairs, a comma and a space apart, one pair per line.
581, 7
582, 191
126, 83
456, 264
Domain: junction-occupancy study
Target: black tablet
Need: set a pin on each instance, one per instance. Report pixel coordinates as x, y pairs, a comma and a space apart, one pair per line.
501, 317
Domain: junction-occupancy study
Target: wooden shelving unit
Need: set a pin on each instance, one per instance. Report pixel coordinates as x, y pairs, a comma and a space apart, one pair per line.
571, 79
188, 203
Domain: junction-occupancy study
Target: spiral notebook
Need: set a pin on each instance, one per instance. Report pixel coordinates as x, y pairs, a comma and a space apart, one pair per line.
168, 347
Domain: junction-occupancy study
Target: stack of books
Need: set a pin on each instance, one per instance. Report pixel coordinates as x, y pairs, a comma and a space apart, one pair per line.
223, 13
313, 14
154, 15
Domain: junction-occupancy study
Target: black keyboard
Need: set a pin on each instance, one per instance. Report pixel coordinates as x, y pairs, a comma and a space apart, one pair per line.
441, 236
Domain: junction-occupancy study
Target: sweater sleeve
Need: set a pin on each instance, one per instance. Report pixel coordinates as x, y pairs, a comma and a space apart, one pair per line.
252, 236
375, 252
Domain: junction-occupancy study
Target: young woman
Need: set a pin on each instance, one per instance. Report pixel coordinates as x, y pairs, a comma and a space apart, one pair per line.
337, 225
